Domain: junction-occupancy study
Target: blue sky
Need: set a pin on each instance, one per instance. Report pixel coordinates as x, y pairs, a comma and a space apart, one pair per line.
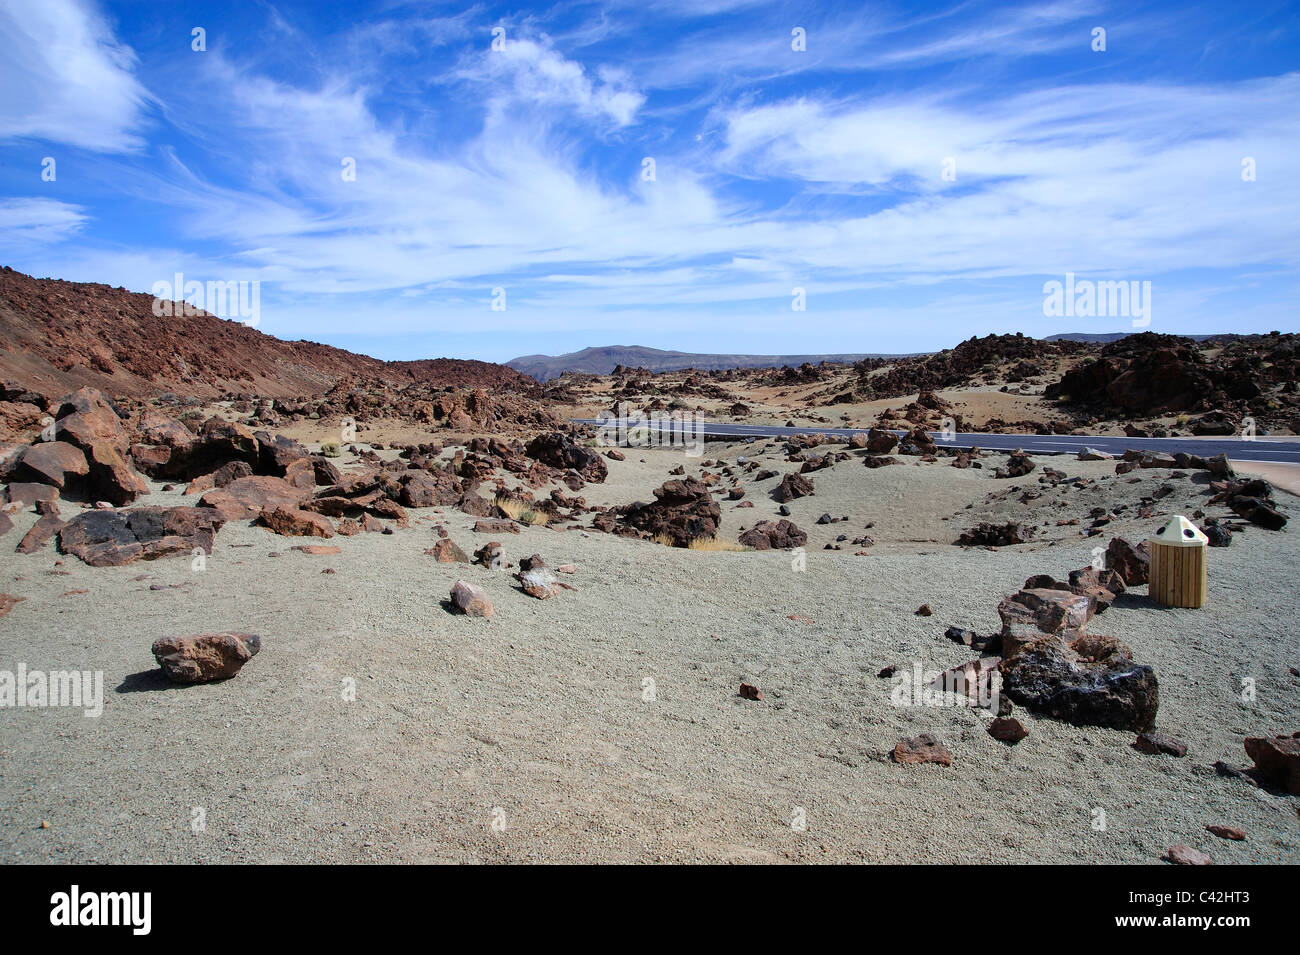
774, 168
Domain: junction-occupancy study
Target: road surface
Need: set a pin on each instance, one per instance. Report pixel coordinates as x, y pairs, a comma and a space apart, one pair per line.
1279, 450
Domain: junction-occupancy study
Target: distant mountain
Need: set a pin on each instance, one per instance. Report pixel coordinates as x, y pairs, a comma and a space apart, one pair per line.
601, 361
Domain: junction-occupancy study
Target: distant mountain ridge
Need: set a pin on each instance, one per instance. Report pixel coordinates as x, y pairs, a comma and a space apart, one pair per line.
604, 359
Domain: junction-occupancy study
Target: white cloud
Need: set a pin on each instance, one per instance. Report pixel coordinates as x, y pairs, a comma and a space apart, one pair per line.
66, 79
28, 222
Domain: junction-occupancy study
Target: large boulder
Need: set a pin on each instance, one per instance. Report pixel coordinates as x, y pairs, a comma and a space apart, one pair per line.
560, 451
429, 488
204, 657
880, 441
1087, 681
295, 522
85, 418
247, 497
682, 511
111, 477
793, 486
56, 463
113, 538
774, 535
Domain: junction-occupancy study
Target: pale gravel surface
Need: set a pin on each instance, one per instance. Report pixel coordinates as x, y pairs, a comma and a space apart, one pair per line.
539, 710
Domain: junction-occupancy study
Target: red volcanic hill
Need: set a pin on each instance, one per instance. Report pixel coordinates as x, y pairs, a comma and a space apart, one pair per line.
57, 336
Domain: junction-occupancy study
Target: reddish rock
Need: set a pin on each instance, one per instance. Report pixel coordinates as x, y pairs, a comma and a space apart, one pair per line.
111, 478
880, 441
471, 599
1277, 760
85, 419
793, 486
40, 534
774, 535
1226, 832
56, 463
1130, 562
924, 611
1186, 855
1155, 744
750, 692
446, 552
490, 555
8, 602
1029, 614
496, 527
922, 749
295, 522
206, 656
1007, 729
348, 527
318, 550
25, 493
246, 498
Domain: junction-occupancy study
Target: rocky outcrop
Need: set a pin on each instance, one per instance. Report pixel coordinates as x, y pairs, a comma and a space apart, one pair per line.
559, 451
112, 538
985, 534
774, 535
682, 511
1087, 680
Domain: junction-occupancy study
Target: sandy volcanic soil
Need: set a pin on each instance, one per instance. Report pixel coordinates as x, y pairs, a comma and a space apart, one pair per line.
539, 711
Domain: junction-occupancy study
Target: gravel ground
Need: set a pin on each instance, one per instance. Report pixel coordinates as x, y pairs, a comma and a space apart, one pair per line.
538, 718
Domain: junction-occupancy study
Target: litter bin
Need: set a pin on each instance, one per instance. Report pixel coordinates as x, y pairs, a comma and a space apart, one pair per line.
1177, 576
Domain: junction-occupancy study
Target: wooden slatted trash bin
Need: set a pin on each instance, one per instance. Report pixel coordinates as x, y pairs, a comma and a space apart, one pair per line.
1178, 575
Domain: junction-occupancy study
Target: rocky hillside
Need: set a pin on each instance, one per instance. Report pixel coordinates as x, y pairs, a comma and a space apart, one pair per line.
57, 336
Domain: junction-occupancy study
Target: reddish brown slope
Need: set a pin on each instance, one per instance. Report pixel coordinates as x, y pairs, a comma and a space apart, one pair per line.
56, 336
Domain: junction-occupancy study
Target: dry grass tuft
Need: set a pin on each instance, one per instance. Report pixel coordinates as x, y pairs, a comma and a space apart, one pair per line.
520, 511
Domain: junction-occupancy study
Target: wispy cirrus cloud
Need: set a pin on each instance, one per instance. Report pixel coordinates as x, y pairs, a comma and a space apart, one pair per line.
522, 168
67, 79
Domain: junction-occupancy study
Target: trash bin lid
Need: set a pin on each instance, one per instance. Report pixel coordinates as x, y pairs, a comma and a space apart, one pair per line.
1179, 532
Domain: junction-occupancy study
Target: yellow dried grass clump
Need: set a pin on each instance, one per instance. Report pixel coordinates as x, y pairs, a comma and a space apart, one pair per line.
520, 511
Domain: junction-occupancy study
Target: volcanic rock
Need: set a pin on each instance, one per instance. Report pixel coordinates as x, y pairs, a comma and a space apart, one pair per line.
922, 749
471, 599
206, 656
774, 535
682, 511
1087, 681
1277, 760
793, 486
56, 463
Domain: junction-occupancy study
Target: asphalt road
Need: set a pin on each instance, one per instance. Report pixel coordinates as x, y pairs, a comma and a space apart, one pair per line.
1282, 450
